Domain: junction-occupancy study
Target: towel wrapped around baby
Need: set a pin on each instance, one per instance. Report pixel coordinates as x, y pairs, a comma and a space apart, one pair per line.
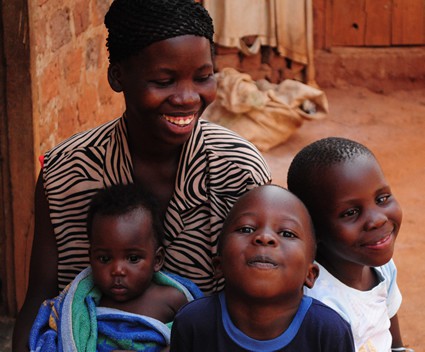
73, 322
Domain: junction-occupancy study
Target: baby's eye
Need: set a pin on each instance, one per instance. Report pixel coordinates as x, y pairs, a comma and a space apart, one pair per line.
246, 229
287, 234
104, 259
383, 199
350, 212
133, 258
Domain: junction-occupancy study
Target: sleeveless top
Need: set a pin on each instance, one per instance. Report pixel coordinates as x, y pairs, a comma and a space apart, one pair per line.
216, 167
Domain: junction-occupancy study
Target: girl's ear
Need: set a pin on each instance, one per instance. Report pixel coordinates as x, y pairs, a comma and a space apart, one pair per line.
115, 77
312, 274
159, 259
218, 272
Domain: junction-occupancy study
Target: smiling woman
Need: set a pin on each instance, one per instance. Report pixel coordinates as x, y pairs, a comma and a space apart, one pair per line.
160, 55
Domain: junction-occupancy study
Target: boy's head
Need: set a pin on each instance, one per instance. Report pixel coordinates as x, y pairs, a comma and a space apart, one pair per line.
355, 215
135, 24
125, 235
267, 246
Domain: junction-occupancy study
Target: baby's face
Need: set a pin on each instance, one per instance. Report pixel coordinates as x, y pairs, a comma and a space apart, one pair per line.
358, 217
123, 254
268, 245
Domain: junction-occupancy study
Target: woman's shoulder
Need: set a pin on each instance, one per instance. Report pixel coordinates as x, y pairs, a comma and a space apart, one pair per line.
96, 136
228, 145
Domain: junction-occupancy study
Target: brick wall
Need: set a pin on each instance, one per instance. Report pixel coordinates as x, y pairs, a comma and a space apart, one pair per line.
69, 64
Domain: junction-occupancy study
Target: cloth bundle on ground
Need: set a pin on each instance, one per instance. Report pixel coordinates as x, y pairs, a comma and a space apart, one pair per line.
73, 322
266, 114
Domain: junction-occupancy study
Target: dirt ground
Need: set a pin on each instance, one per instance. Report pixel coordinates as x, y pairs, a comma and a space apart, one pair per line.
392, 125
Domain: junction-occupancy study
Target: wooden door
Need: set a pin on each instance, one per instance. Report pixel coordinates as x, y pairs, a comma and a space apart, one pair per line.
375, 22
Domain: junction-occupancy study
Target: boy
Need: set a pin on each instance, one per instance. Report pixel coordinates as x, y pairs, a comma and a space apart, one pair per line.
357, 220
266, 252
122, 300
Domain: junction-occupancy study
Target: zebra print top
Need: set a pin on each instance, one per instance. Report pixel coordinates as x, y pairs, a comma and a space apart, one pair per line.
216, 167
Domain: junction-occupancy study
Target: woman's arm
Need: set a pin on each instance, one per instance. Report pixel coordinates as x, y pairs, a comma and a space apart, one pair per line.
43, 275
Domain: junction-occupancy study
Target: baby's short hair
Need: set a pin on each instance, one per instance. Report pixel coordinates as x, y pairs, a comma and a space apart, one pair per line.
134, 24
122, 199
304, 171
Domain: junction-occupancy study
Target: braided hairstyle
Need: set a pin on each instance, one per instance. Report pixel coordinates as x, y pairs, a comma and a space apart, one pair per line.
134, 24
118, 200
304, 171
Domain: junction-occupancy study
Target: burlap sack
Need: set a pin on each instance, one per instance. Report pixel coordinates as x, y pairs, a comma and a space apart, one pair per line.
266, 114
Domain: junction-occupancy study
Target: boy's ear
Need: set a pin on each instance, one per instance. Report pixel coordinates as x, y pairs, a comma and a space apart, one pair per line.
115, 77
159, 258
312, 274
218, 272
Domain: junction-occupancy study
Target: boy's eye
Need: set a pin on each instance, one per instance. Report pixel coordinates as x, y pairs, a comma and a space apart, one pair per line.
383, 199
104, 259
287, 234
133, 258
246, 229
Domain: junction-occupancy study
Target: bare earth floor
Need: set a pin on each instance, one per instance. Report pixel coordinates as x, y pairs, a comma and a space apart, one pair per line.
392, 125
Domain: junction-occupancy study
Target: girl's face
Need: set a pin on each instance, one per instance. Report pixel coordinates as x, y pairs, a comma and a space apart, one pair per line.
123, 254
167, 86
358, 218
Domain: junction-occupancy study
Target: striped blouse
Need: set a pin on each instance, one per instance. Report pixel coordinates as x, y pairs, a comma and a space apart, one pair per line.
216, 167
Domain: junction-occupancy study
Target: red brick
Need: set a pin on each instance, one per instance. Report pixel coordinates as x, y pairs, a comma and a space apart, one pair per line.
60, 29
87, 106
81, 17
49, 82
99, 9
67, 121
72, 65
93, 52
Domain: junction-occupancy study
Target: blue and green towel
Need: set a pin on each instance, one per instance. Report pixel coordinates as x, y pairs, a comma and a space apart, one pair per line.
73, 322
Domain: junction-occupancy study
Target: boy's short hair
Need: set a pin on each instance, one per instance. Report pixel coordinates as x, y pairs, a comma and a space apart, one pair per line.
122, 199
134, 24
304, 171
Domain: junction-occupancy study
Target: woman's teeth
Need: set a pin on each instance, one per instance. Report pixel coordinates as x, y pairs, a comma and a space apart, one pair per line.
180, 121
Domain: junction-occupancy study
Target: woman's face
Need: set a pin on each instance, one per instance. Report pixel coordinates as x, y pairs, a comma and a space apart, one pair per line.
167, 86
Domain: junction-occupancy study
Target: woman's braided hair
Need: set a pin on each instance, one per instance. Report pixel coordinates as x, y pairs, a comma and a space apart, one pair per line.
134, 24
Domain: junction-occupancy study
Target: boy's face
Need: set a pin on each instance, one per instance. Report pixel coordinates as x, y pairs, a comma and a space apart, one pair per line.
123, 254
268, 246
358, 218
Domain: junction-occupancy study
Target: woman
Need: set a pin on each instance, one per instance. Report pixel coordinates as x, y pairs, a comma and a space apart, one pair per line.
160, 55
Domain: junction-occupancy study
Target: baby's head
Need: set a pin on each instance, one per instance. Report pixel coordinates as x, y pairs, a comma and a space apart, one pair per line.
125, 235
355, 215
267, 246
135, 24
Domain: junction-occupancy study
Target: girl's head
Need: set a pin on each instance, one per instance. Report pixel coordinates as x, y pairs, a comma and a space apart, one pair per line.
356, 217
160, 54
135, 24
125, 235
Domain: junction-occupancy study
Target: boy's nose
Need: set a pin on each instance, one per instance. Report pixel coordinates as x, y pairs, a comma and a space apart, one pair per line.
265, 238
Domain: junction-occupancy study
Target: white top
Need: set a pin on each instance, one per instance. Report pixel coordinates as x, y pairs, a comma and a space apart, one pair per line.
368, 312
